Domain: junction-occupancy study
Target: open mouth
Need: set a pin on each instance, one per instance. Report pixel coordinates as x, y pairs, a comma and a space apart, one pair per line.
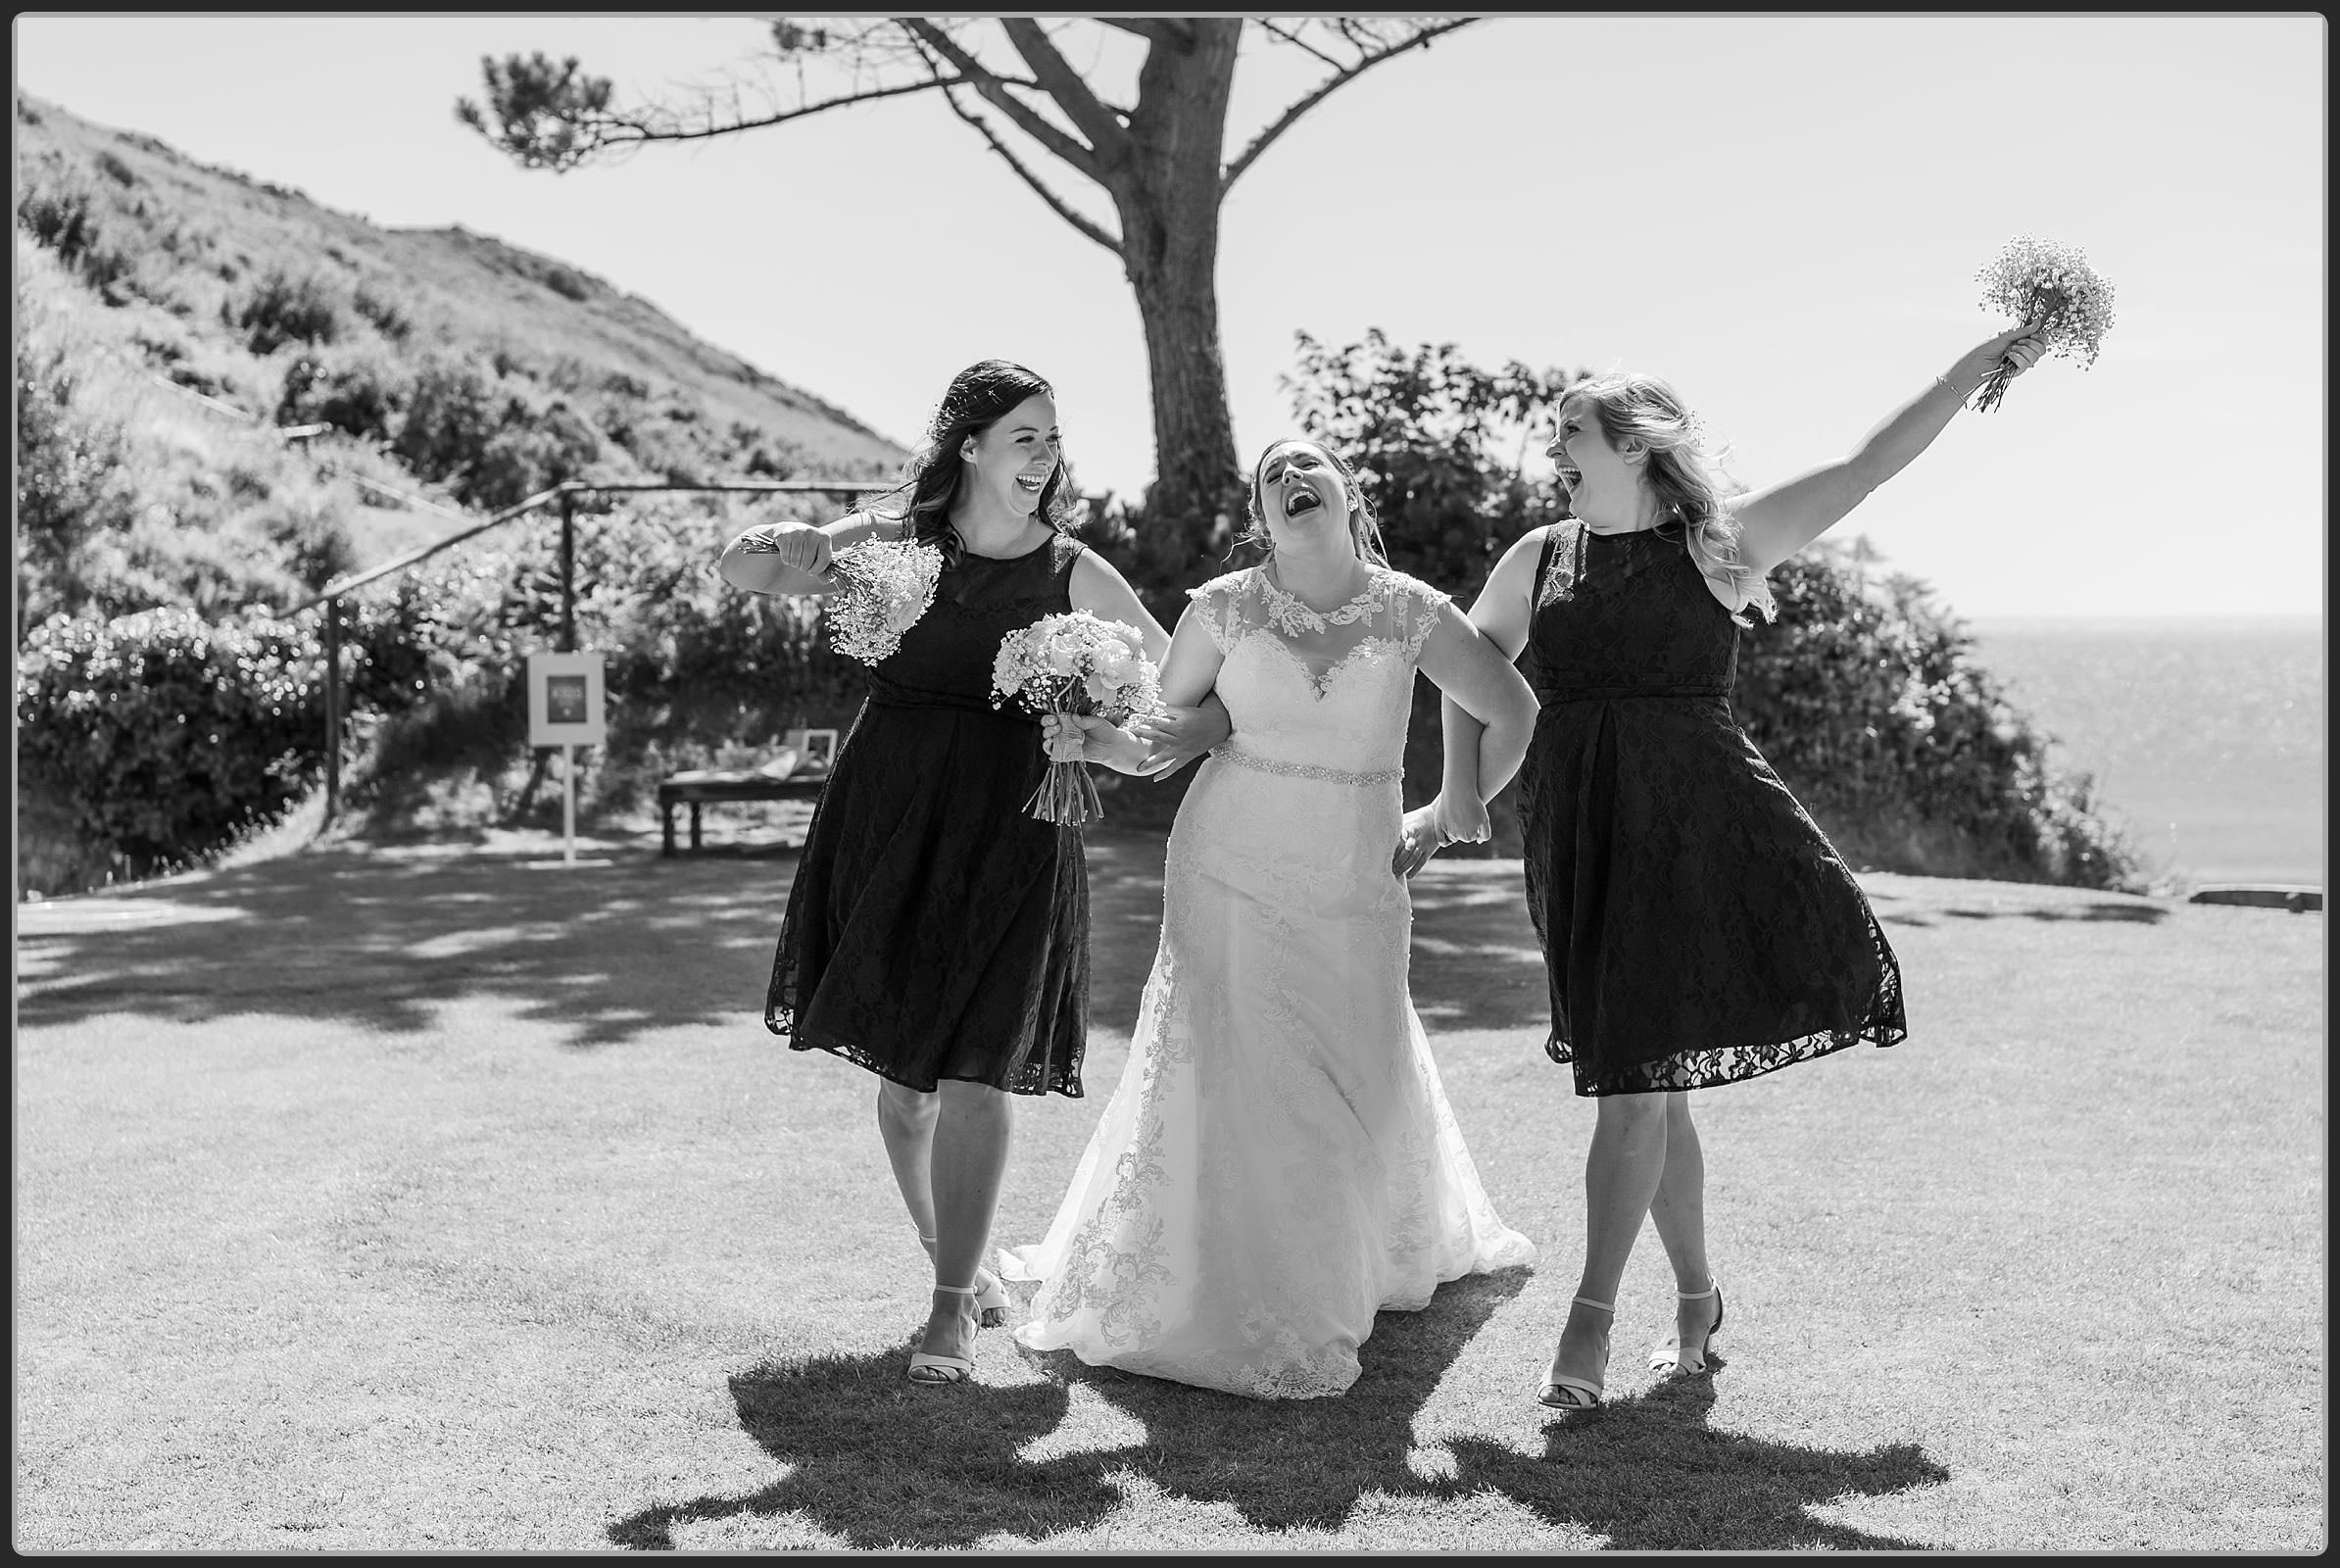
1305, 501
1569, 479
1032, 485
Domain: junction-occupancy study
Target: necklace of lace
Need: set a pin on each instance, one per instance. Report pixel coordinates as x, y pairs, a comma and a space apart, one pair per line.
1293, 618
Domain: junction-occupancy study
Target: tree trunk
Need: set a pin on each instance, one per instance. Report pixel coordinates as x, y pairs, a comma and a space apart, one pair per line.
1167, 196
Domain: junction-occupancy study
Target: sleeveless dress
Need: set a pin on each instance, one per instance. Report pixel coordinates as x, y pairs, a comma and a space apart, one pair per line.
1278, 1161
1697, 926
935, 931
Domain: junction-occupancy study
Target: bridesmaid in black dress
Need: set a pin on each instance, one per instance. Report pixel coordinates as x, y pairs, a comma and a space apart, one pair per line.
936, 934
1697, 927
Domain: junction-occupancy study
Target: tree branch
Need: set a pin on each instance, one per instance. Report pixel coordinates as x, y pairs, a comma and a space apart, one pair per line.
1080, 156
1296, 41
1342, 78
1161, 29
1055, 203
1093, 119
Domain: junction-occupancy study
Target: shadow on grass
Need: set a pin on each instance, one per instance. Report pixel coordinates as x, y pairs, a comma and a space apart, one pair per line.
386, 936
878, 1463
2130, 913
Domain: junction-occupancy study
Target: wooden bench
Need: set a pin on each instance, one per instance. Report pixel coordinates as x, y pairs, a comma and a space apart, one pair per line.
701, 786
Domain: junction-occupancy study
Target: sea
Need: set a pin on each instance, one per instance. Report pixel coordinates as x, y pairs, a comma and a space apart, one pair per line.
2206, 737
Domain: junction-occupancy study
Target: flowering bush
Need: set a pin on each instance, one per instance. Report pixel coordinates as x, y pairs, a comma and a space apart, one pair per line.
168, 735
1075, 664
2040, 282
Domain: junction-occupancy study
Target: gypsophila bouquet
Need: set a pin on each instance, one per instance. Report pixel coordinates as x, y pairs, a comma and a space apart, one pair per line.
2038, 280
883, 587
1075, 664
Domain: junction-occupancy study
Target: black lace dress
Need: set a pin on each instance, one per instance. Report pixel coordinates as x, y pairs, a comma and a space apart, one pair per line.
1697, 926
935, 931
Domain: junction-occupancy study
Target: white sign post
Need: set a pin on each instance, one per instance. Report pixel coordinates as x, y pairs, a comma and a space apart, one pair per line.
565, 709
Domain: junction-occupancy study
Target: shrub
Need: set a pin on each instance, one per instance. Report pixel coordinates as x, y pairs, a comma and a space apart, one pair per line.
57, 210
289, 308
72, 481
362, 393
383, 306
1864, 697
166, 734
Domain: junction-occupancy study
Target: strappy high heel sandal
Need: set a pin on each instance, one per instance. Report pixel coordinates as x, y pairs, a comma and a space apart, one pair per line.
936, 1370
991, 1296
1568, 1394
1666, 1356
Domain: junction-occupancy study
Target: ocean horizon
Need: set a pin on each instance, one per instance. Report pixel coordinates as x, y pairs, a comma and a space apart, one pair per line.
2205, 735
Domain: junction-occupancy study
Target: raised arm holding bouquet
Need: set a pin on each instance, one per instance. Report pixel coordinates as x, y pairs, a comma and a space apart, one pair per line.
936, 935
1697, 926
2057, 294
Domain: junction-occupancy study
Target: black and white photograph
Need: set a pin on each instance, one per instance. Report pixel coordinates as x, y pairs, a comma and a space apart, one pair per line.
1343, 784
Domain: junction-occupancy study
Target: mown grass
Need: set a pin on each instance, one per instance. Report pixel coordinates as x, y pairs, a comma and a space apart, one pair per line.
425, 1197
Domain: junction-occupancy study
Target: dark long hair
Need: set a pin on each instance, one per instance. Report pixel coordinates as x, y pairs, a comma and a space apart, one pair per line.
1364, 529
979, 397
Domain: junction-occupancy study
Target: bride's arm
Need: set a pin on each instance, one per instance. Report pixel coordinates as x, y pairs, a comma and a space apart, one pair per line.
1479, 680
1182, 731
1500, 615
1189, 674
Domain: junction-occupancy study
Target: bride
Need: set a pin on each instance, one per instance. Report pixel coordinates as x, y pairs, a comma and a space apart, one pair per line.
1278, 1161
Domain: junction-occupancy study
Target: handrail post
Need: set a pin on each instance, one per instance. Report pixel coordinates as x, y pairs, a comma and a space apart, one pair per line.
332, 708
568, 571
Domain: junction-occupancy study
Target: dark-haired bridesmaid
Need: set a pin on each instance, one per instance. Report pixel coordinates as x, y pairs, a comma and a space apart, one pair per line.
936, 935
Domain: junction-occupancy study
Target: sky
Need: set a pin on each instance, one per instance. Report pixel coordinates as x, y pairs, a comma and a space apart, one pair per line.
1782, 214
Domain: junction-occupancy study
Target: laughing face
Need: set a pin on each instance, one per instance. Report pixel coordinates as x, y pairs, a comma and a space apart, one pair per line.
1301, 494
1600, 481
1009, 463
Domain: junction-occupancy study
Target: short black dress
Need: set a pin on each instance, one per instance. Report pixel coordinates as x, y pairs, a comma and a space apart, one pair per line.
935, 931
1697, 926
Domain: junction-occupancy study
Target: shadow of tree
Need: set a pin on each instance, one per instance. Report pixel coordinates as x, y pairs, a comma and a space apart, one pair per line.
878, 1463
2138, 912
618, 944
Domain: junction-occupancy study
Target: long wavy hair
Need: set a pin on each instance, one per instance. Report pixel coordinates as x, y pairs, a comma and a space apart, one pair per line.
1688, 480
978, 398
1364, 529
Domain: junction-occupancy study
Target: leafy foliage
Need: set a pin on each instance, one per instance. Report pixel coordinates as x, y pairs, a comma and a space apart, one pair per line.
168, 734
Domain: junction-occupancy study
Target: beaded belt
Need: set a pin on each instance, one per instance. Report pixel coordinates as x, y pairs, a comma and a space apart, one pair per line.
1331, 775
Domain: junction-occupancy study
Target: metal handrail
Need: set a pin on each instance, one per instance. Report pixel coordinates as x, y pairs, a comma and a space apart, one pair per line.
565, 492
342, 585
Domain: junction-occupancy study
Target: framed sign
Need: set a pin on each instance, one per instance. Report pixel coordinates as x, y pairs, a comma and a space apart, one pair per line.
815, 749
564, 700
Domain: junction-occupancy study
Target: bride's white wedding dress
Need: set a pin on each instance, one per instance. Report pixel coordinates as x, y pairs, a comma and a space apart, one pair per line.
1278, 1161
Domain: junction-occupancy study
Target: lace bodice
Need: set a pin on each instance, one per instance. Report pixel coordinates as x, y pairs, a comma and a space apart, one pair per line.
1327, 691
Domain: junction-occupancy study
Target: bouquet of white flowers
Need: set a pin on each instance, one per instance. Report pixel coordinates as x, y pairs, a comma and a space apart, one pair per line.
2038, 280
1075, 664
883, 587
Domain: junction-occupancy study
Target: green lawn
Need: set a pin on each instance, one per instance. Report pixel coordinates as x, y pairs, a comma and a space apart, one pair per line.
426, 1197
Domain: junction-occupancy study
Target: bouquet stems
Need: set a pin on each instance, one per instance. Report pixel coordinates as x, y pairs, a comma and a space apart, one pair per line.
1067, 795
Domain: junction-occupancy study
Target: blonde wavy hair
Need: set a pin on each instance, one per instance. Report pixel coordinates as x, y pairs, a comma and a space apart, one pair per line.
1688, 480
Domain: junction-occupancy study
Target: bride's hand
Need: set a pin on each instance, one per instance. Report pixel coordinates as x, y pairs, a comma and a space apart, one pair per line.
1417, 841
1177, 736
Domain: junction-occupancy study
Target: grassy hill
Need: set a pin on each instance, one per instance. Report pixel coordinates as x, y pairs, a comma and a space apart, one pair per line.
440, 362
